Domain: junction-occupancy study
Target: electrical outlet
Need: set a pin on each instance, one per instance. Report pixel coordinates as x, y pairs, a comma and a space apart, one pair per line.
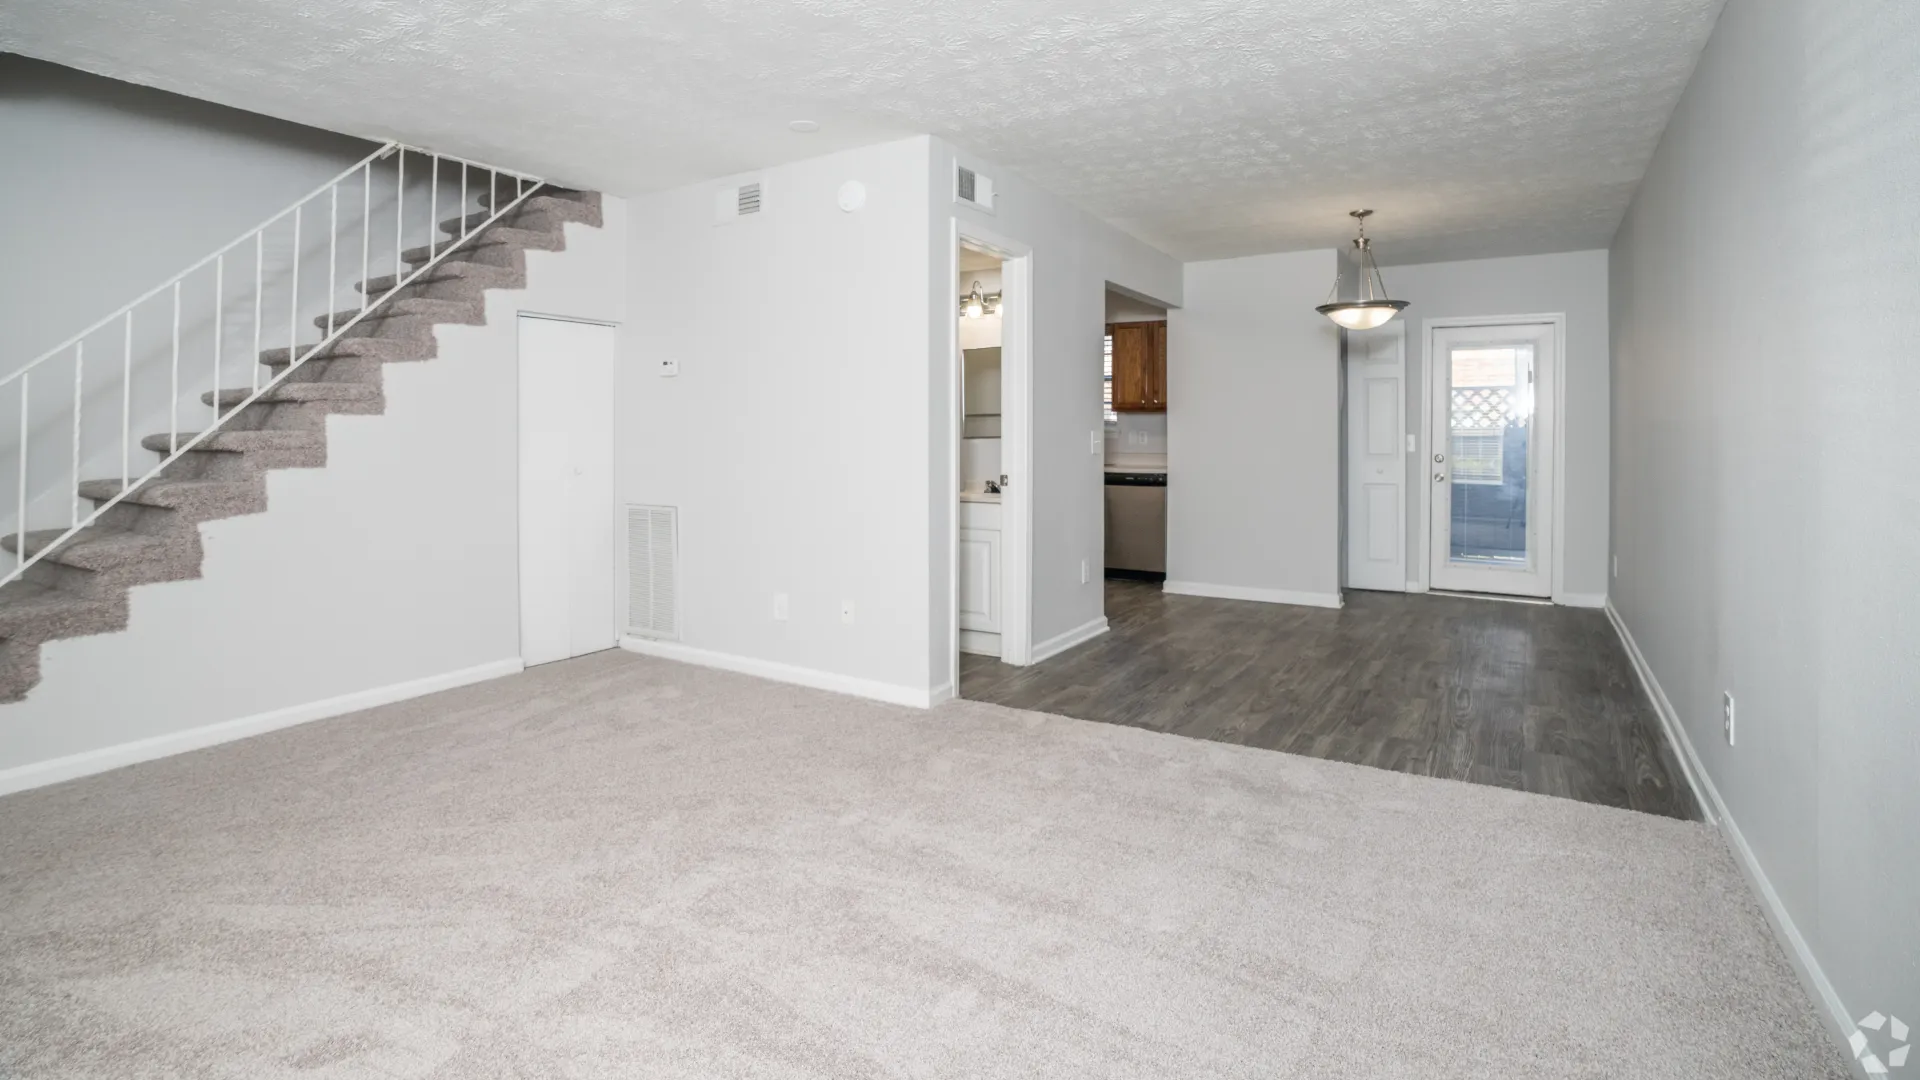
846, 611
780, 607
1726, 714
1084, 572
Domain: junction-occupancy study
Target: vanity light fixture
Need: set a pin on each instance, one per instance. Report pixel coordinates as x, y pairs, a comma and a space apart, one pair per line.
1371, 308
977, 304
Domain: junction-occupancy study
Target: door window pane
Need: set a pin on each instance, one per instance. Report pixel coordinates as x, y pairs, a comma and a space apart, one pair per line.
1490, 422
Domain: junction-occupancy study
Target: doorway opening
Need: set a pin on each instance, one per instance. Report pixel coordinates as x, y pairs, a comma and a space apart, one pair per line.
567, 511
1492, 424
991, 376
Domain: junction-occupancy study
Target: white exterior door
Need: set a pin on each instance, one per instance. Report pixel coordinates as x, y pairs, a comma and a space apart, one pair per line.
1491, 391
567, 513
1376, 459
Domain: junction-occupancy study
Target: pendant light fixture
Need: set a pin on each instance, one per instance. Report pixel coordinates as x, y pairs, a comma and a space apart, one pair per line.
1371, 307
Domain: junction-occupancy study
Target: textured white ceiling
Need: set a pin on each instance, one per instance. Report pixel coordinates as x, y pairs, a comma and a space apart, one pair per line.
1209, 128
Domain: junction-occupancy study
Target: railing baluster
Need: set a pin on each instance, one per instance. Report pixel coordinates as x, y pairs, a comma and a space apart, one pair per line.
173, 399
333, 234
219, 326
399, 215
293, 303
79, 380
126, 411
20, 552
259, 289
366, 230
433, 209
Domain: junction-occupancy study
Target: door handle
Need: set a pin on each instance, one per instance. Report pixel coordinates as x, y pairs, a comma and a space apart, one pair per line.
1439, 478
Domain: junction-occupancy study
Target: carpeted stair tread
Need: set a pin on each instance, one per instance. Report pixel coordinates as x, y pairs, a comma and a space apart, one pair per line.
92, 548
170, 494
372, 348
226, 441
418, 307
297, 393
33, 611
152, 534
481, 274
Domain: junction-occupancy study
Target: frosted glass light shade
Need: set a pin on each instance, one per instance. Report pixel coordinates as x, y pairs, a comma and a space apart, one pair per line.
1363, 315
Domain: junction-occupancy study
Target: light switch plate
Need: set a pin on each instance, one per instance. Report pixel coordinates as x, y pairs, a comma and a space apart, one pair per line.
1099, 442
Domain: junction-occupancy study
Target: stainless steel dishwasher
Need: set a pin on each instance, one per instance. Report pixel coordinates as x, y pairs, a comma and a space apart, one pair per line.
1137, 521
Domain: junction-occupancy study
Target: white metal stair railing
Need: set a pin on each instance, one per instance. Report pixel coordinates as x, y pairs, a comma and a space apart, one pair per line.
474, 178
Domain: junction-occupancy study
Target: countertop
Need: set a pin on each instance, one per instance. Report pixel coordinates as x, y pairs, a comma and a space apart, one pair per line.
1160, 468
980, 496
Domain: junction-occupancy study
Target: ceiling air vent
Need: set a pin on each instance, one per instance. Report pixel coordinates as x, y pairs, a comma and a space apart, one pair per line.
971, 188
736, 202
653, 556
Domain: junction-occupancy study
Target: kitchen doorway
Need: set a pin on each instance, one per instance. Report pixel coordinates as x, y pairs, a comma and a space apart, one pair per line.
1492, 430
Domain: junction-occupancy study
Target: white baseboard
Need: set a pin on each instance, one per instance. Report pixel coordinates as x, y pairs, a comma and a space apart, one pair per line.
779, 672
42, 773
1833, 1011
1581, 600
942, 693
1060, 643
1265, 596
1416, 586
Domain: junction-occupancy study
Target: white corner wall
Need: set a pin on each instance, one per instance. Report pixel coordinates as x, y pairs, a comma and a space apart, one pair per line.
391, 571
1574, 284
1253, 432
1766, 305
1075, 257
805, 326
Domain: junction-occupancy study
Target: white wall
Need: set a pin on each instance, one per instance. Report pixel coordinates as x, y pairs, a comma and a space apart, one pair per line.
395, 563
848, 521
1253, 423
1766, 305
1573, 284
1075, 255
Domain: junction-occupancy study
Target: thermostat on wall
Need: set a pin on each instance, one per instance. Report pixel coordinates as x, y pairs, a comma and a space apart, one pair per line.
669, 368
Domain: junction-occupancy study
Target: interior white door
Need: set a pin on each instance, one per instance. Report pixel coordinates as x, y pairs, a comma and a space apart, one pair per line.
1376, 459
1491, 392
567, 513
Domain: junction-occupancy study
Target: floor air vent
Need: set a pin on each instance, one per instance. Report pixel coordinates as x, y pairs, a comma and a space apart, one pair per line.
653, 549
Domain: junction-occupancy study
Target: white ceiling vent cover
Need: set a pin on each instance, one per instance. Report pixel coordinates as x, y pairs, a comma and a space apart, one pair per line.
973, 189
653, 567
737, 202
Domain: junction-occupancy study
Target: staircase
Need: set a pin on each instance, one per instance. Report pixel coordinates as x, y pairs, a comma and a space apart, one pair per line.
74, 583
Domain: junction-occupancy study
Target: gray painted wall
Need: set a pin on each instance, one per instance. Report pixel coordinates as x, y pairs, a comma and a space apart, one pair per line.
1574, 284
1253, 440
114, 187
1766, 309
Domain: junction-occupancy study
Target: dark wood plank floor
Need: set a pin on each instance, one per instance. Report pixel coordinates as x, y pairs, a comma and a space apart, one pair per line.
1524, 696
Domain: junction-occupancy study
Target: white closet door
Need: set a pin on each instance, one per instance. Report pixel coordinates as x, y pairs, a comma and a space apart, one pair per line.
1376, 462
566, 489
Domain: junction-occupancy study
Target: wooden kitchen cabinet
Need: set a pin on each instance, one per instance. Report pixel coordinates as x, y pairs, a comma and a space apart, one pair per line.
1139, 366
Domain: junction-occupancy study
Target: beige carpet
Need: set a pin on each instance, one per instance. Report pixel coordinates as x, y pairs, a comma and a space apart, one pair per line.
622, 867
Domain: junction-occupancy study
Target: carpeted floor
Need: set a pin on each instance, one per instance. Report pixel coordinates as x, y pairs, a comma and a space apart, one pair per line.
623, 867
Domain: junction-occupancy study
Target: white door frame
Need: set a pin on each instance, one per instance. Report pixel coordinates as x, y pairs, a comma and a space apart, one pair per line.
614, 522
1346, 494
1555, 465
1016, 445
